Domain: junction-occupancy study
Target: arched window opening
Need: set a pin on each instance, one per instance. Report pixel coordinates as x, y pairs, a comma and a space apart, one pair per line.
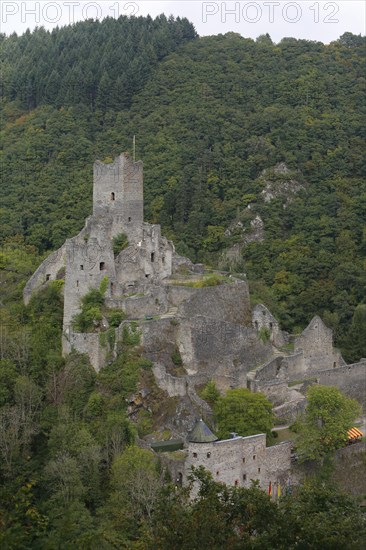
102, 266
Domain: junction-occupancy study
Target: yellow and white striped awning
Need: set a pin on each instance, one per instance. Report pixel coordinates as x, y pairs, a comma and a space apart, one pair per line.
354, 433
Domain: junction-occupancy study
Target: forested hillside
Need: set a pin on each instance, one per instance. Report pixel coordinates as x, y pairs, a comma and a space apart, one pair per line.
209, 116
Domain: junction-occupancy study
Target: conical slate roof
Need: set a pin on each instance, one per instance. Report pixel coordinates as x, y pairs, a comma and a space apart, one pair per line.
201, 433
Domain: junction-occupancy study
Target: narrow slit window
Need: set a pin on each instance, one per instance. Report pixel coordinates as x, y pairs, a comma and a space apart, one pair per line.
113, 196
244, 477
194, 455
48, 277
81, 268
129, 218
152, 257
102, 266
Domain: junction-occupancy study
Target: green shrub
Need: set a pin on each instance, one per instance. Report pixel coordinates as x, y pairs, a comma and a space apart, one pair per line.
176, 358
115, 317
91, 309
210, 393
264, 334
211, 280
108, 338
120, 242
131, 334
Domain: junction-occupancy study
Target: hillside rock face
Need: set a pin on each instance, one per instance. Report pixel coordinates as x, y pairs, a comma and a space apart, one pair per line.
279, 182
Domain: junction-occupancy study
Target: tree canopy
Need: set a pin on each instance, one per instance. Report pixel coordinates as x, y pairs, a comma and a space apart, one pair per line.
329, 415
243, 412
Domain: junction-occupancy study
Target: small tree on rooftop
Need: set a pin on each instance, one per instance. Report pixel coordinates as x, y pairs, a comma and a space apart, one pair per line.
243, 412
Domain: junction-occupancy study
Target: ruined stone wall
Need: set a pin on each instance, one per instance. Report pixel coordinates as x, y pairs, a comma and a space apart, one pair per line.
173, 385
290, 410
238, 461
228, 302
277, 465
269, 371
153, 302
85, 343
89, 259
295, 366
118, 191
224, 350
263, 318
158, 339
47, 271
179, 294
316, 343
148, 261
350, 379
276, 392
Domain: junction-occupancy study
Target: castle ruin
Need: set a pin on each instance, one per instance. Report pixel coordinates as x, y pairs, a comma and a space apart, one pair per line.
214, 329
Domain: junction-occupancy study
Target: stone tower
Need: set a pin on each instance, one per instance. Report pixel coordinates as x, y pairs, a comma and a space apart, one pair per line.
118, 192
90, 256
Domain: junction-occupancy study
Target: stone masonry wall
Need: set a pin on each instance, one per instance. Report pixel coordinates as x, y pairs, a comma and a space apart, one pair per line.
350, 379
228, 302
238, 461
263, 318
118, 191
316, 343
47, 271
85, 343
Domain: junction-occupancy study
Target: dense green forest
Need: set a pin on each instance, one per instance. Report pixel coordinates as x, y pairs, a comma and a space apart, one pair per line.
210, 115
